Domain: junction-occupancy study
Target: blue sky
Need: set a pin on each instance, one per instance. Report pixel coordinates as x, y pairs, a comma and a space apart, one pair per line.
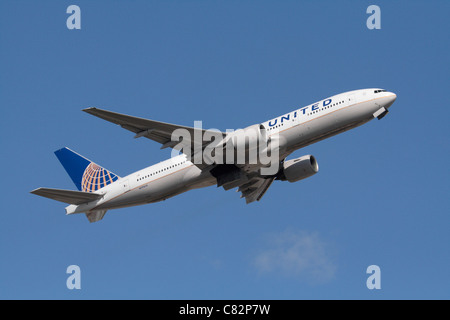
381, 196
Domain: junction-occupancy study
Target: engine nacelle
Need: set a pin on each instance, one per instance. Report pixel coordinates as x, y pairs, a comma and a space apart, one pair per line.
249, 138
244, 146
298, 169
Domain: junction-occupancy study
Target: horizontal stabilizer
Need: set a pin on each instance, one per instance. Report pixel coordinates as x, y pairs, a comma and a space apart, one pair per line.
67, 196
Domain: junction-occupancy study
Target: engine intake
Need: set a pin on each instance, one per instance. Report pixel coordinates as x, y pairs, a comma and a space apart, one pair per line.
298, 169
248, 138
244, 146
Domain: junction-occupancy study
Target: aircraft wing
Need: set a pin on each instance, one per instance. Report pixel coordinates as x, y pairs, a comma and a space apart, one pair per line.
254, 189
154, 130
251, 185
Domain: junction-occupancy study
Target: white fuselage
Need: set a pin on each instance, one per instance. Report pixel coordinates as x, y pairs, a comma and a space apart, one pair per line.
294, 130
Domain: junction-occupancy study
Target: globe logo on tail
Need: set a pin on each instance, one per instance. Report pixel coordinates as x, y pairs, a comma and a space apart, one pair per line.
95, 177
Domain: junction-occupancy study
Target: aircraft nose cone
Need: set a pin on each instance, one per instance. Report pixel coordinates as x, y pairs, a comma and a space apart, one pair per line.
390, 99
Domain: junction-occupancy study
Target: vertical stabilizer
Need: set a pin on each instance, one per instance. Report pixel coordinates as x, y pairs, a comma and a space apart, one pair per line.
87, 175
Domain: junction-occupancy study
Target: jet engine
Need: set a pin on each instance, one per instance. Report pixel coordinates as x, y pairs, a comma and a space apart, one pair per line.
248, 138
298, 169
245, 146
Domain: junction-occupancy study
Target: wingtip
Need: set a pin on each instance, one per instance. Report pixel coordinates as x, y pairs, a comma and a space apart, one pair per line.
35, 190
89, 109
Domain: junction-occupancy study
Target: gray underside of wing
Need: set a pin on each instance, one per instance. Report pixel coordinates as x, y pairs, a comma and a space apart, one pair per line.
155, 130
160, 132
255, 188
252, 189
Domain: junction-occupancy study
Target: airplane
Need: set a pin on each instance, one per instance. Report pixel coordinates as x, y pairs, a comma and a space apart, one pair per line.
100, 190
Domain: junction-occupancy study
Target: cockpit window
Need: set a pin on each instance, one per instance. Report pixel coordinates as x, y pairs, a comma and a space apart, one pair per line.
376, 91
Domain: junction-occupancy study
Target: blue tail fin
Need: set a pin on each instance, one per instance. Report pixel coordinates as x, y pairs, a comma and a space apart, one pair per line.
86, 175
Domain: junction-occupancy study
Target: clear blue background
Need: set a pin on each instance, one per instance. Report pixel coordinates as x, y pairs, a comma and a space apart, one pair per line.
381, 196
